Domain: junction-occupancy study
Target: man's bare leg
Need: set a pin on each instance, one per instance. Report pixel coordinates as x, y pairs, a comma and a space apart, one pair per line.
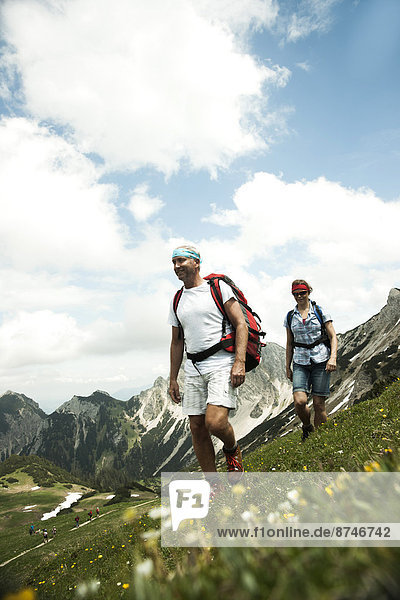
216, 421
202, 443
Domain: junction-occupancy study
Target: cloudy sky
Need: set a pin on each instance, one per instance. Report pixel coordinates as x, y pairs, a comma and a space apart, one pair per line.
266, 132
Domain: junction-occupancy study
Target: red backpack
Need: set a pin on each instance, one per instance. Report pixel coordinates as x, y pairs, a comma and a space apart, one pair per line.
227, 341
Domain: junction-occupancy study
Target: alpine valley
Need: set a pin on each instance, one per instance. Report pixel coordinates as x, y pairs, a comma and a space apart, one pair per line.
111, 441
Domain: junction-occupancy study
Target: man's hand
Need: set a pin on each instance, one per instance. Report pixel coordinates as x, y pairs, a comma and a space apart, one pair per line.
331, 365
238, 373
289, 373
174, 391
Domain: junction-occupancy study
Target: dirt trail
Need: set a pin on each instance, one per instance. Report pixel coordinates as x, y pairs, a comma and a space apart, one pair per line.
73, 529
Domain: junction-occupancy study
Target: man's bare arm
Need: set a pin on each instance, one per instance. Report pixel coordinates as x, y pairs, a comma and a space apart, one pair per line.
236, 318
176, 355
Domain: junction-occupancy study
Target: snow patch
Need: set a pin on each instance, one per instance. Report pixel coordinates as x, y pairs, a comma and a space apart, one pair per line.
176, 449
285, 433
134, 495
110, 497
345, 399
70, 499
29, 507
37, 487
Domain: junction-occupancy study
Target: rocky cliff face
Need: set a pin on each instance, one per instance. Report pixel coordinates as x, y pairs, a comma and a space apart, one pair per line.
369, 356
20, 420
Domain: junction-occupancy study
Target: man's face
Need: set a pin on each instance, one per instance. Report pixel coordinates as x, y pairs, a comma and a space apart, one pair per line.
184, 267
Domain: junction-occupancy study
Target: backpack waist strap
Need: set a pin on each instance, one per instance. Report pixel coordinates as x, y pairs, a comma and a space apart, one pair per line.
199, 356
323, 339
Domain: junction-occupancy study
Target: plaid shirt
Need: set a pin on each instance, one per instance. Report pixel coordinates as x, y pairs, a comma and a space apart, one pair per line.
307, 333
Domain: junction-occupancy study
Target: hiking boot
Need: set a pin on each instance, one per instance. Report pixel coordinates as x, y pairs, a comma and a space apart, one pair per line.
234, 464
307, 429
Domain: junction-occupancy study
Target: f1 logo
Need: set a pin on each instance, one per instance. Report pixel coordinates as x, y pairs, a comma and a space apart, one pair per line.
189, 499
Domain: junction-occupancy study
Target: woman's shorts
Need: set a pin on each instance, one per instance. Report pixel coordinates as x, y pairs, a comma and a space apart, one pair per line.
311, 378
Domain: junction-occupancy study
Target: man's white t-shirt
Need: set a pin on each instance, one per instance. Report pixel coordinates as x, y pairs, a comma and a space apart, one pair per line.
201, 320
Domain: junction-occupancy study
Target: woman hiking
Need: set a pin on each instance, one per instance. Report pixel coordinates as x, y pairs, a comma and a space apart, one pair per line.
312, 345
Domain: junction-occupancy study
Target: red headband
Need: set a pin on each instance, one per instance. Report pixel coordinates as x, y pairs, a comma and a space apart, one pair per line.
300, 286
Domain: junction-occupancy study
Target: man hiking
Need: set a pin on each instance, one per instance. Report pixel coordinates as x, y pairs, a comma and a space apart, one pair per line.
210, 384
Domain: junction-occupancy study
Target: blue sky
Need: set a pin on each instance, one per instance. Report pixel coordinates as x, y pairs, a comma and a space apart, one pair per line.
266, 133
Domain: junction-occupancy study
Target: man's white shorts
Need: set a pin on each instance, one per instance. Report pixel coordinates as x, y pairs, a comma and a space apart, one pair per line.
210, 388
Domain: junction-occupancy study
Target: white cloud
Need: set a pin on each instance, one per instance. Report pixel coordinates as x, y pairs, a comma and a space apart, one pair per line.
39, 337
51, 356
304, 66
161, 83
54, 211
136, 320
142, 205
310, 16
332, 221
240, 16
344, 241
53, 291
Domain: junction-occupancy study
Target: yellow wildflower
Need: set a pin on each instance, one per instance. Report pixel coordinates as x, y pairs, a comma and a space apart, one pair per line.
25, 594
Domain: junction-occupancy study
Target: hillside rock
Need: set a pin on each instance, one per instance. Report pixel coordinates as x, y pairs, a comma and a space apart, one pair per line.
20, 420
369, 356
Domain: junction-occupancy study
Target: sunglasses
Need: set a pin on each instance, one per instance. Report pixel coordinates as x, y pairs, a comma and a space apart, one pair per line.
299, 294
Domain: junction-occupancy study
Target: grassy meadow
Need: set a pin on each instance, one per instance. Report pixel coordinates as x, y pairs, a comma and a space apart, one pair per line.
109, 558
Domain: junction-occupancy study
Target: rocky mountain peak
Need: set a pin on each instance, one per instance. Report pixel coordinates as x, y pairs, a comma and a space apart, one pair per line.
14, 401
394, 296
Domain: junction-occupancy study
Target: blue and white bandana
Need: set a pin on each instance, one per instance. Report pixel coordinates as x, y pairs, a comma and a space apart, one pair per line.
186, 252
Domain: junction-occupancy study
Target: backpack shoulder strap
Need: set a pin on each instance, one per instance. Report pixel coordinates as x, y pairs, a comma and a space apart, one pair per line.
216, 293
175, 303
289, 318
318, 313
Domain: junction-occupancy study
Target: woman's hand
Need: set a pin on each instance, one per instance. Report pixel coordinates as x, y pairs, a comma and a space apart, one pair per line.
331, 365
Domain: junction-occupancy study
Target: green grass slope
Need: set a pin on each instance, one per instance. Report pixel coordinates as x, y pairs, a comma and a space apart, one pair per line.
109, 559
349, 439
43, 472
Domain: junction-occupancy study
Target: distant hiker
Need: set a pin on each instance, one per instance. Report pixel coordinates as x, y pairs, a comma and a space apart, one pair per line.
54, 531
31, 530
45, 536
97, 512
312, 344
90, 513
210, 382
76, 521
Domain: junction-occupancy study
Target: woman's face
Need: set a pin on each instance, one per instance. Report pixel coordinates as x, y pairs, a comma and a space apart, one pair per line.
301, 297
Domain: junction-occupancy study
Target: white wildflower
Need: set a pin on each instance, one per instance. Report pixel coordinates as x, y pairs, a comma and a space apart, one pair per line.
145, 568
159, 512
